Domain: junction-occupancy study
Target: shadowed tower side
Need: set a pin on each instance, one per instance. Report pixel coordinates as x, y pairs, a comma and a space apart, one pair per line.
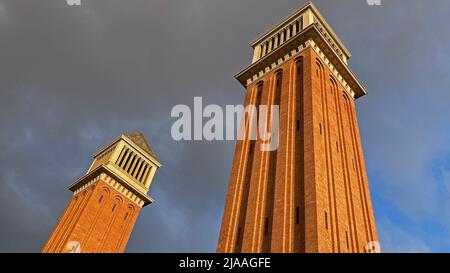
107, 200
312, 193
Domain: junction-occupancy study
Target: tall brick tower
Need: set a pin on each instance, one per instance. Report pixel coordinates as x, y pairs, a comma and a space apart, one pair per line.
107, 200
312, 193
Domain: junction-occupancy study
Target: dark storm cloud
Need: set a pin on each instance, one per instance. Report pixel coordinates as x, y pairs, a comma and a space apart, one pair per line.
73, 78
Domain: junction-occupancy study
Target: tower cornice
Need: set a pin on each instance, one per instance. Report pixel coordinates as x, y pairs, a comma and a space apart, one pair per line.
292, 47
105, 170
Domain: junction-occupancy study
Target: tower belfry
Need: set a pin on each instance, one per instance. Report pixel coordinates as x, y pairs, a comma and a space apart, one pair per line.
107, 200
312, 193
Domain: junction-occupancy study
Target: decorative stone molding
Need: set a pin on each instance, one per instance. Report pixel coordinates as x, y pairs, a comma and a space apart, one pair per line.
120, 188
333, 69
329, 39
294, 54
309, 29
87, 185
115, 185
309, 37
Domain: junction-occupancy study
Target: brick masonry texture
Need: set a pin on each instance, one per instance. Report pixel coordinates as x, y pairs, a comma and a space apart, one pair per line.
312, 193
99, 218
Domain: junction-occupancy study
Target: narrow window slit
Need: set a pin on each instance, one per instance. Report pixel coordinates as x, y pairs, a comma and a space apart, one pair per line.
238, 239
266, 226
346, 238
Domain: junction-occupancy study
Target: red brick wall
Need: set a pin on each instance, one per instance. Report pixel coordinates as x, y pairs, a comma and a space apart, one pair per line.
99, 218
278, 201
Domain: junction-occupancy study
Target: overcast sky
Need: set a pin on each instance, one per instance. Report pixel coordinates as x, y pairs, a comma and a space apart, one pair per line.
74, 78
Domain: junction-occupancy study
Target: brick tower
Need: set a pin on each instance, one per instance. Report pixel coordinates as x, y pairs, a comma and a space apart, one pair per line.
312, 193
107, 200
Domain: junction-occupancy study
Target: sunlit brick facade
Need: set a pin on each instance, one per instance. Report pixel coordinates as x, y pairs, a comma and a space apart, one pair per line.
312, 193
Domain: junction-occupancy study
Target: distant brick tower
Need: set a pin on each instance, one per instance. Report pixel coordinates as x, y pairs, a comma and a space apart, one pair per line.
107, 200
312, 193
